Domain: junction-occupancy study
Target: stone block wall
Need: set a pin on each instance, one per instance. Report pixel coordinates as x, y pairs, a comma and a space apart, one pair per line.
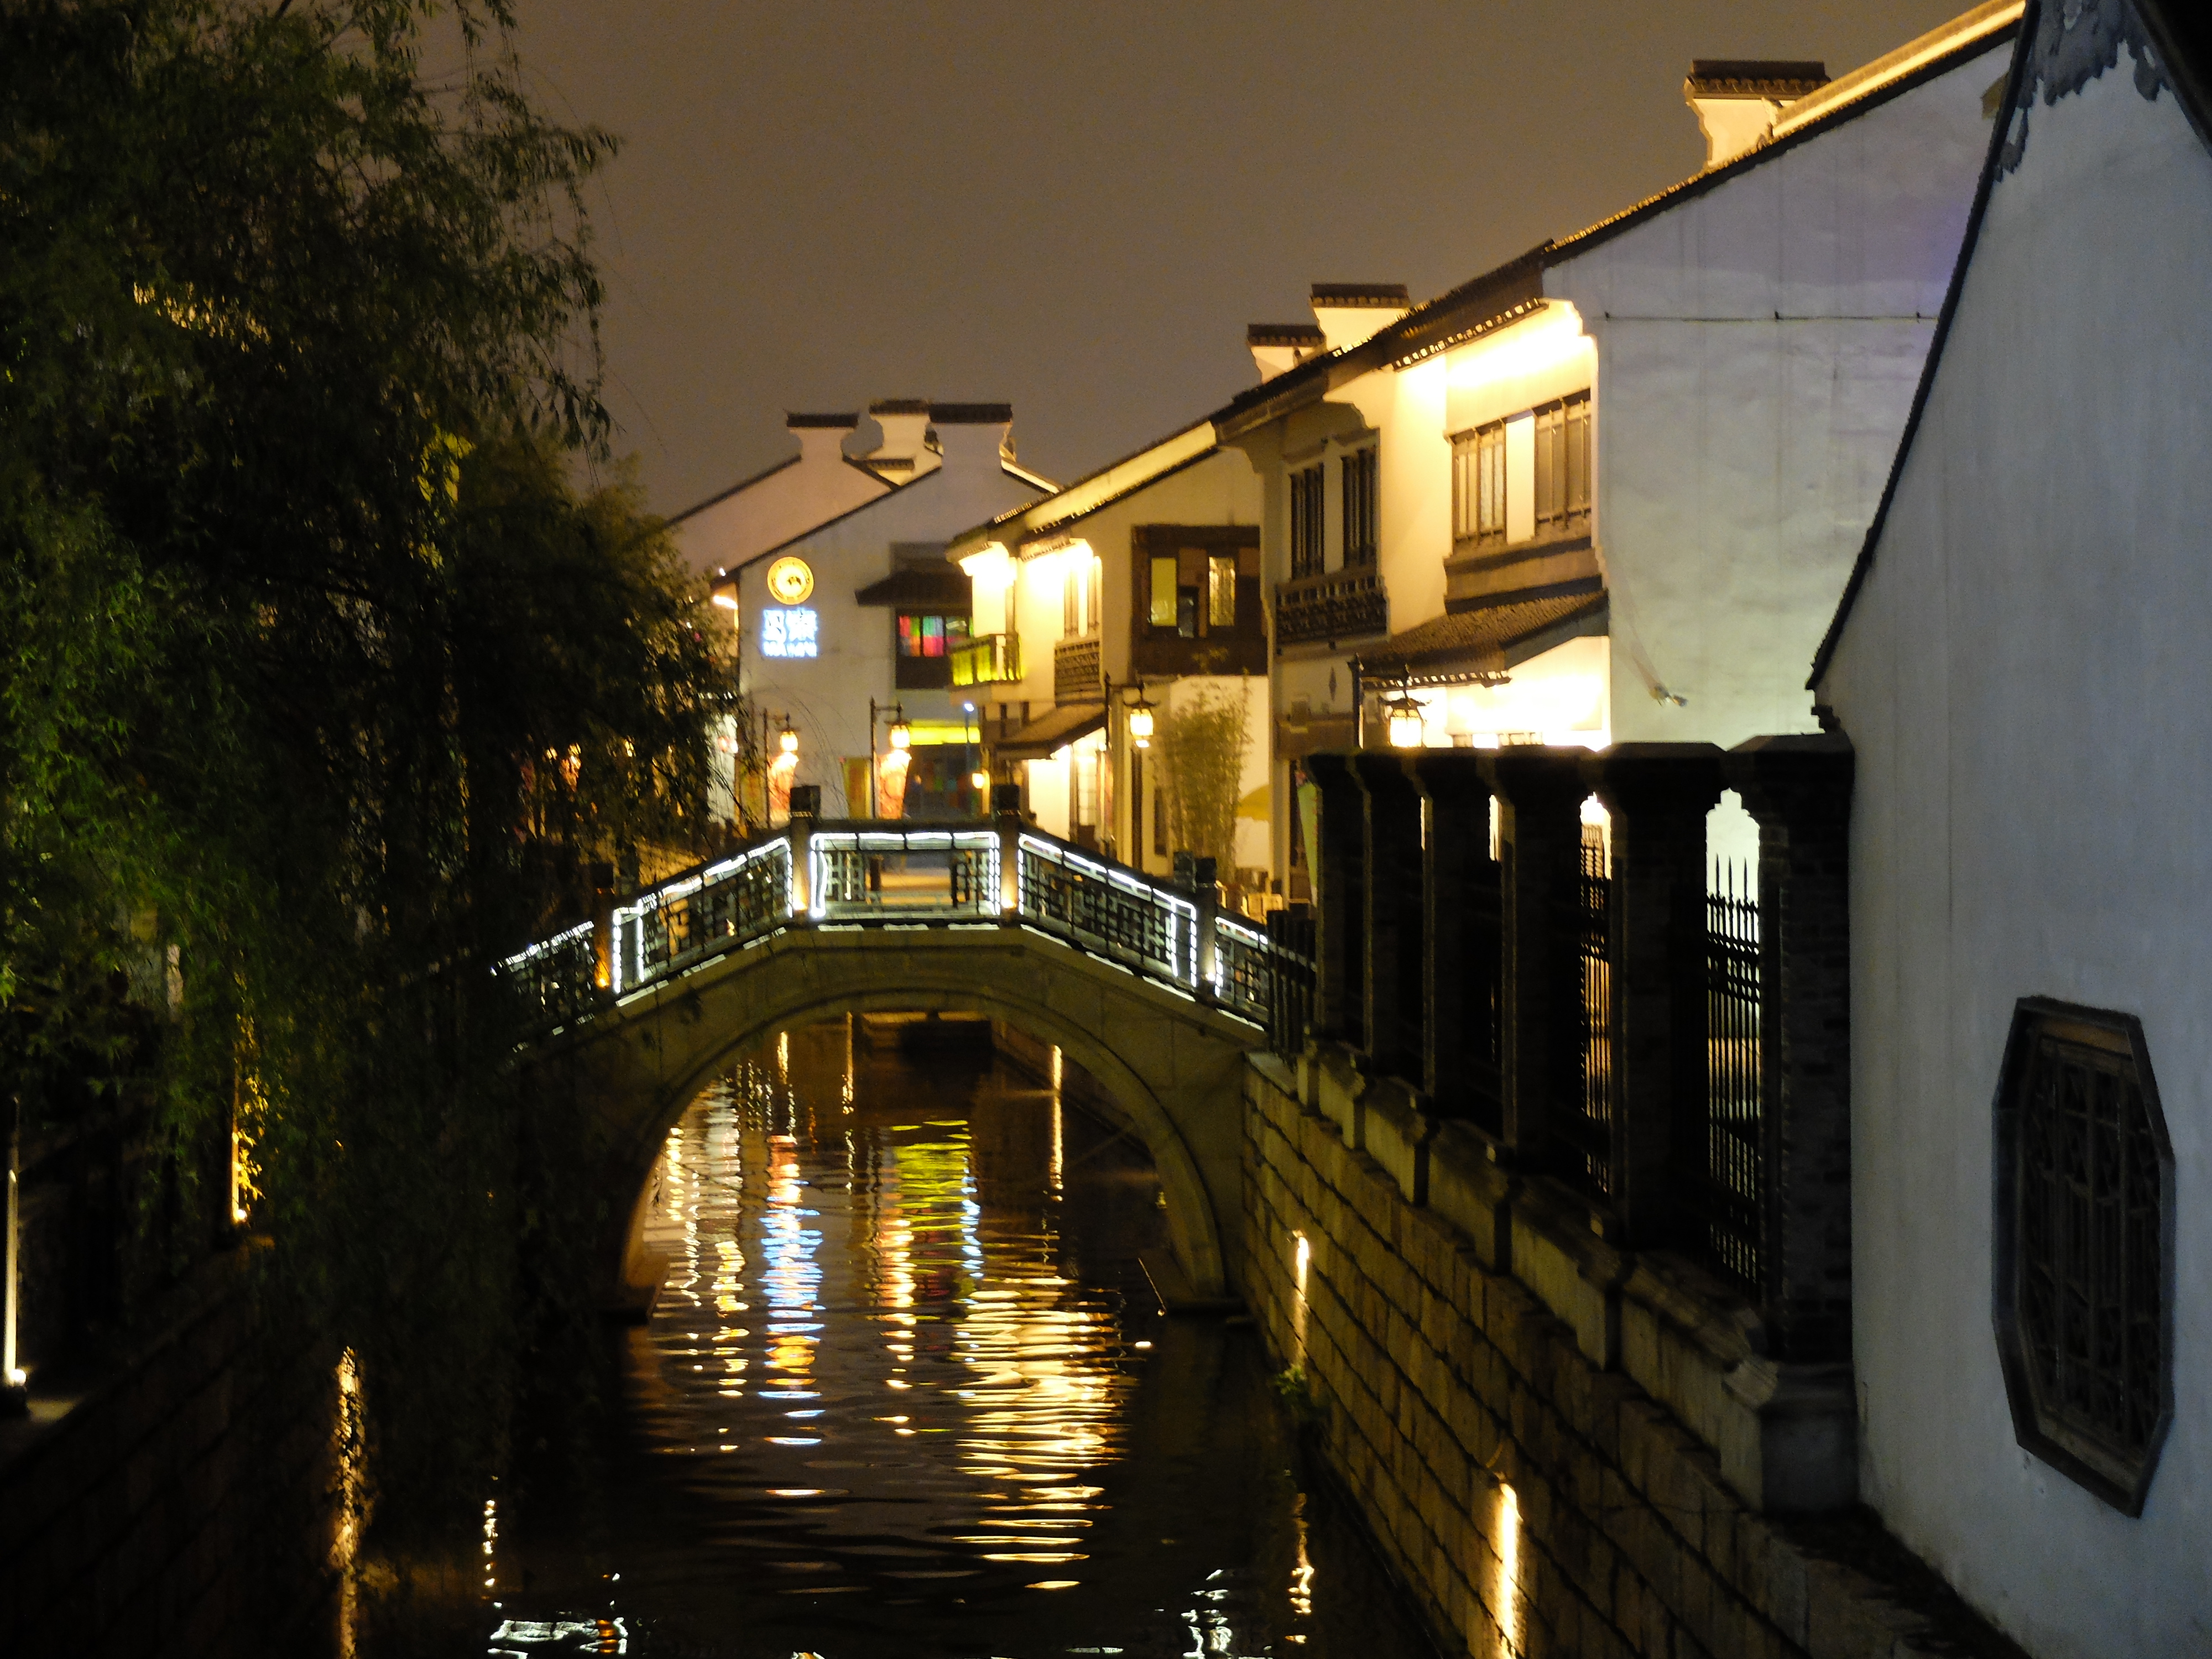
1536, 1501
177, 1499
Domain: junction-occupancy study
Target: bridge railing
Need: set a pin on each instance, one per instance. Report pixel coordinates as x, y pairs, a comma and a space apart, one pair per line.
871, 872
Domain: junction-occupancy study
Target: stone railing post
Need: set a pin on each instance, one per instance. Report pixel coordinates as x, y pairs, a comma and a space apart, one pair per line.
1340, 878
1541, 791
806, 808
1206, 893
603, 923
1799, 790
1006, 818
1461, 945
1658, 794
1393, 992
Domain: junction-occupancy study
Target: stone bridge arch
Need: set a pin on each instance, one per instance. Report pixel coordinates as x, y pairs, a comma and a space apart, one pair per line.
1172, 1064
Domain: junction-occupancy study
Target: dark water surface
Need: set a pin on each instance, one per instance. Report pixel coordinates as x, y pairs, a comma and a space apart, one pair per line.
906, 1392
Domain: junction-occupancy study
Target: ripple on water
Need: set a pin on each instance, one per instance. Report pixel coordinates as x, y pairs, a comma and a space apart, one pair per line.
902, 1393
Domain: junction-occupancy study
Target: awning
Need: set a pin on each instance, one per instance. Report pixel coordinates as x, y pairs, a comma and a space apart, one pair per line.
919, 587
1497, 637
1054, 729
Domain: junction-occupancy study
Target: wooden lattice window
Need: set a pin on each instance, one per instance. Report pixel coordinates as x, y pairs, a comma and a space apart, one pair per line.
1478, 485
2084, 1247
1306, 521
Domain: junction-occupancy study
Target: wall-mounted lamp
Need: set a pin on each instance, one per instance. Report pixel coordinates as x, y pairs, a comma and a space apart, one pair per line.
1406, 719
787, 739
1140, 719
901, 735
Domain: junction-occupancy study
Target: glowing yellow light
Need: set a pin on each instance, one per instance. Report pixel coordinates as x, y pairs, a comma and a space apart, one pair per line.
787, 741
1141, 723
980, 779
1529, 347
901, 733
727, 599
1509, 1570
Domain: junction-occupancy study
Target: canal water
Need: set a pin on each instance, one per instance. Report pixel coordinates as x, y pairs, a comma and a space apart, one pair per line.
906, 1392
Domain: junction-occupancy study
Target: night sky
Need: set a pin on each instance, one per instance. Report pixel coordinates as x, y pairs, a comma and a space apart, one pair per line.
1077, 208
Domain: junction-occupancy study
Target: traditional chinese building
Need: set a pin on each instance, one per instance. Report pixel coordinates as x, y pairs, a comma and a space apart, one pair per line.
848, 627
2018, 667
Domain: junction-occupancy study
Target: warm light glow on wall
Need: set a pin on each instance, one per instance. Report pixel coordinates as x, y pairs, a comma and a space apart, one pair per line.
1544, 340
1508, 1572
1302, 1259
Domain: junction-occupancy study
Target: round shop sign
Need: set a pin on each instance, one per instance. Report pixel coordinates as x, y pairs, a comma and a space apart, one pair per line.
790, 580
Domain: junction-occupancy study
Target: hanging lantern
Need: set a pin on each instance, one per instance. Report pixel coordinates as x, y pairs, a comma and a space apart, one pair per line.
901, 734
1406, 719
788, 740
980, 779
1141, 720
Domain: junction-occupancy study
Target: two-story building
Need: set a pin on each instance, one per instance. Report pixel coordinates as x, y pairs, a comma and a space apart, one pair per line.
1608, 491
849, 629
1119, 640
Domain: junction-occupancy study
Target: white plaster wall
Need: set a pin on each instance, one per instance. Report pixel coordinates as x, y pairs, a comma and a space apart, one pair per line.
827, 696
1407, 407
2024, 677
810, 489
1758, 348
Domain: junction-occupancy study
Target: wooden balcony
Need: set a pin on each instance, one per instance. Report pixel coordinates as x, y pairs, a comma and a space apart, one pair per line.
1078, 671
1335, 605
989, 659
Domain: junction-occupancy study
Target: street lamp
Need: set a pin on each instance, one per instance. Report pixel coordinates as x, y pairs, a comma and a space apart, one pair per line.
901, 735
787, 739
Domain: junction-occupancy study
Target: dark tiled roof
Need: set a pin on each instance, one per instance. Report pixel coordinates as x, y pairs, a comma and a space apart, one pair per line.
1493, 638
971, 414
821, 422
1360, 294
1754, 77
899, 406
1289, 334
1050, 730
919, 587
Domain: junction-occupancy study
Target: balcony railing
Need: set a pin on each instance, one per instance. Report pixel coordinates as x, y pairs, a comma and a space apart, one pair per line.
989, 659
1337, 604
1078, 671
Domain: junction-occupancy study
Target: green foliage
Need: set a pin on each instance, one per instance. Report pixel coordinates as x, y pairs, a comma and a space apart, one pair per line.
323, 670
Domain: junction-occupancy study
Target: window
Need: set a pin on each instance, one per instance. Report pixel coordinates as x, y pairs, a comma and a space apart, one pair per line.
1359, 506
1306, 522
930, 637
1162, 609
1221, 590
1081, 597
1563, 473
926, 642
2084, 1247
1478, 485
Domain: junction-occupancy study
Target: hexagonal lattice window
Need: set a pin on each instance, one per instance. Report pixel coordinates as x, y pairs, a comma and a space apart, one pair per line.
2084, 1247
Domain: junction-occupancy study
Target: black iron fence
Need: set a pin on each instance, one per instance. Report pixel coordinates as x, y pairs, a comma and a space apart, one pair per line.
1726, 1192
1588, 1121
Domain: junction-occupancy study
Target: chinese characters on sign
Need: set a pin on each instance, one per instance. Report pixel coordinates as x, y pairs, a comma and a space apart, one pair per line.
790, 632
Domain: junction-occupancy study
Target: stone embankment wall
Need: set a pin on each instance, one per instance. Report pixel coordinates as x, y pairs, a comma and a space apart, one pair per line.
177, 1499
1538, 1502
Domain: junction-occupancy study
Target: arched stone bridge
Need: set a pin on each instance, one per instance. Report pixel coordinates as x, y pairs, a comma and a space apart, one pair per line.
1140, 983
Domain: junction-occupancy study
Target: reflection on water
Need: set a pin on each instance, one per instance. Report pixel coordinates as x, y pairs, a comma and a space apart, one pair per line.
903, 1392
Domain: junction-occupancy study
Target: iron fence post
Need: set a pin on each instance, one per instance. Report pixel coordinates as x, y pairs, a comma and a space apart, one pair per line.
603, 924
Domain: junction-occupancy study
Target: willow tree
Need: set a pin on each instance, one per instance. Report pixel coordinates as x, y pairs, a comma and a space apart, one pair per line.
316, 641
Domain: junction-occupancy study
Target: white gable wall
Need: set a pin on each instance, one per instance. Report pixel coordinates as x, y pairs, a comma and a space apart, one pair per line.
1757, 345
2024, 676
